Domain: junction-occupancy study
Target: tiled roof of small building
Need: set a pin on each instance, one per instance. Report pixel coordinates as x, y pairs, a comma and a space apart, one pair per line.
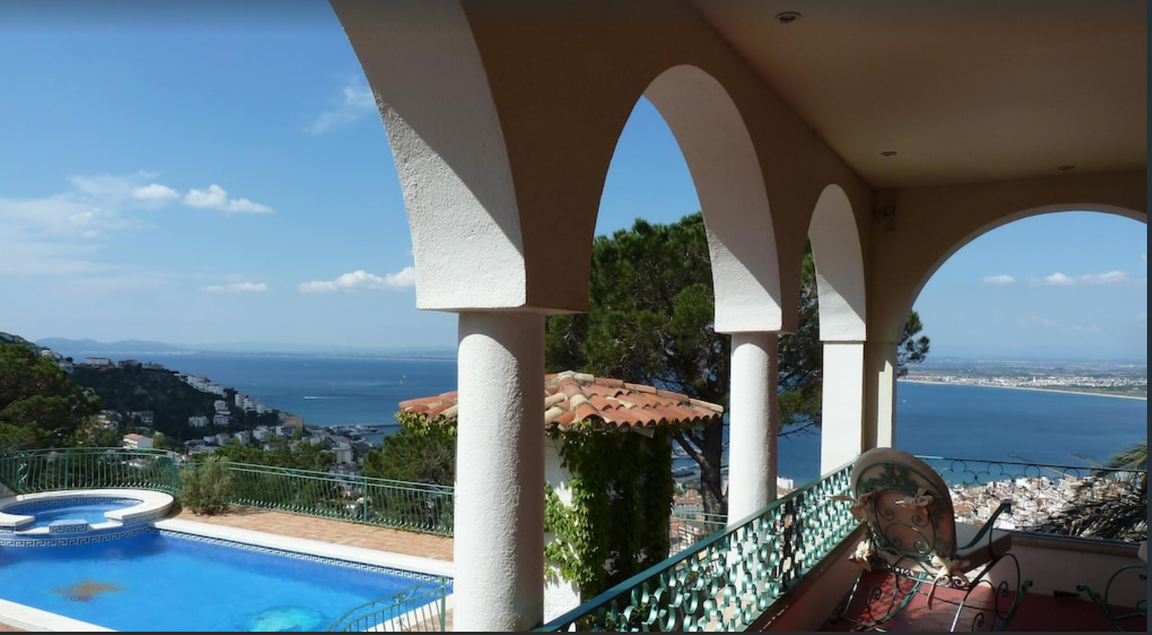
571, 397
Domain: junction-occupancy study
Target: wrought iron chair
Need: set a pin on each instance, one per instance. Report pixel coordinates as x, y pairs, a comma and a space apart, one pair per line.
1132, 574
914, 546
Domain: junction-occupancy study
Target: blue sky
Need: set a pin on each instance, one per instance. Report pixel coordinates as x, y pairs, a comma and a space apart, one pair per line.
179, 178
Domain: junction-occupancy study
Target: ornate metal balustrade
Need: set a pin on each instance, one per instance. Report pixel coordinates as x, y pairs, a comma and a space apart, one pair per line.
1082, 501
690, 526
31, 471
397, 504
423, 608
726, 581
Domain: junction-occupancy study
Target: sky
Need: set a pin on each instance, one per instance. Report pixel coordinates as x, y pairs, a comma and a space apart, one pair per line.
190, 177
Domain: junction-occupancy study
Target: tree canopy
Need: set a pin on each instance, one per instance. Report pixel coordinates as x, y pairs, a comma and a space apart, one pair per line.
39, 406
650, 321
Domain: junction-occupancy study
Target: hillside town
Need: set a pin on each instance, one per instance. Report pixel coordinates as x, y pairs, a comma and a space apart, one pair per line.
215, 428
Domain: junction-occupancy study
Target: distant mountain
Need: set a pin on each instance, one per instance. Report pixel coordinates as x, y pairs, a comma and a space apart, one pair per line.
122, 346
140, 347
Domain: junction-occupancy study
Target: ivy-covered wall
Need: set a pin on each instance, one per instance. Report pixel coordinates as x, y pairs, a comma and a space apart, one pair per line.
621, 501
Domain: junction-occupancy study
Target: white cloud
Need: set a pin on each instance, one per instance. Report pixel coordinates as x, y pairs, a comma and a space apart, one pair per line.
1056, 325
155, 192
1060, 280
238, 287
217, 198
1112, 277
62, 234
356, 103
1000, 279
361, 279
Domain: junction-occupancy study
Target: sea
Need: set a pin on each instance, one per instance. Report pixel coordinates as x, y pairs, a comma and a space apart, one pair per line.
959, 421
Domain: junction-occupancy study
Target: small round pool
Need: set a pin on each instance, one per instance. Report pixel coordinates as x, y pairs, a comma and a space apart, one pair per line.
47, 518
87, 509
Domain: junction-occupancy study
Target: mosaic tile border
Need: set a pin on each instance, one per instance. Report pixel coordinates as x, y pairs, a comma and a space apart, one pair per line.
46, 540
372, 568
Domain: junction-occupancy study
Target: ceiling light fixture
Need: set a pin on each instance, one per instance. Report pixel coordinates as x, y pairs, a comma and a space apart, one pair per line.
888, 153
787, 17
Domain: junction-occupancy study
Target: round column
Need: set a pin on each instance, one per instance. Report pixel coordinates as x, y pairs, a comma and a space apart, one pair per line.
842, 418
499, 519
753, 419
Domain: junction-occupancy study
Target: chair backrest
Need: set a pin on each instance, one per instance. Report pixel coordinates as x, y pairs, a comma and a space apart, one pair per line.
907, 508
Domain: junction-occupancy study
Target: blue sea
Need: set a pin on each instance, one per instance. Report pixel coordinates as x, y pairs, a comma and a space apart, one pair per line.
972, 422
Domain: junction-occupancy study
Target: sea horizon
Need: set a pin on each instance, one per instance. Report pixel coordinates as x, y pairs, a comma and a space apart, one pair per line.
932, 418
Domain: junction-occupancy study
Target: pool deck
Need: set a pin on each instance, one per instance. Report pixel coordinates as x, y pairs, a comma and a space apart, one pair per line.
332, 531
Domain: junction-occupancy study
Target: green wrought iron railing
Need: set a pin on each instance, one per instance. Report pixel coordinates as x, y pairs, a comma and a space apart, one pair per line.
419, 507
422, 608
1066, 500
728, 580
690, 526
31, 471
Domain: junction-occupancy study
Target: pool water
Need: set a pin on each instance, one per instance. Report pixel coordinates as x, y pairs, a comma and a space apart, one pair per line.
46, 513
166, 582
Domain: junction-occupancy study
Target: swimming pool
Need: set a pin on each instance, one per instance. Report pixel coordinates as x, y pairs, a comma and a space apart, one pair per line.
187, 576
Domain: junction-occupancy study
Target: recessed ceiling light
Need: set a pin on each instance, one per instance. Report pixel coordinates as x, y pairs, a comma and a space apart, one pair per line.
888, 153
787, 17
1065, 168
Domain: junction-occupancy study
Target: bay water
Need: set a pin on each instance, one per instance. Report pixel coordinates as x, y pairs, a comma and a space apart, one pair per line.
961, 421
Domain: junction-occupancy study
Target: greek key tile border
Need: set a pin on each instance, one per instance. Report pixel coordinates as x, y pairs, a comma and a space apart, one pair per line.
53, 541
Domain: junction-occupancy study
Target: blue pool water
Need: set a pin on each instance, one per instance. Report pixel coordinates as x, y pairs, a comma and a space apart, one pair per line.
166, 582
46, 513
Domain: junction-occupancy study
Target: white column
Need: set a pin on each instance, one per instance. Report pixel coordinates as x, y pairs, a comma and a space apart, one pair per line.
499, 532
880, 362
752, 419
842, 418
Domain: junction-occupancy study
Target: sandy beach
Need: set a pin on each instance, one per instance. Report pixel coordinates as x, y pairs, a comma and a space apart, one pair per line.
1065, 391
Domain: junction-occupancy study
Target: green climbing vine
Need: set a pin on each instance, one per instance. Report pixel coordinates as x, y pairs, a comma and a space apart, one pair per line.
616, 523
621, 499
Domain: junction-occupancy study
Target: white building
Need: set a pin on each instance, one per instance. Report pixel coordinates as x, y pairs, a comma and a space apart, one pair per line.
137, 441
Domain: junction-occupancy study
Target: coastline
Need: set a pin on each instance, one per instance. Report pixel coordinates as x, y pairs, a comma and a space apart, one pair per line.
1067, 392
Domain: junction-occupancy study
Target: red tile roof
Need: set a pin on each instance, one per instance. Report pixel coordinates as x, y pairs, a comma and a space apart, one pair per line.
605, 403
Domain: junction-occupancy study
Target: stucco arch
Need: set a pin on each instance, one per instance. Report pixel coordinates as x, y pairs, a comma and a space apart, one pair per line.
1010, 218
928, 225
729, 182
450, 152
839, 268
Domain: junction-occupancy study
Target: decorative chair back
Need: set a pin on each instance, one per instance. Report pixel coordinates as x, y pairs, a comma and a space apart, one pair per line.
907, 508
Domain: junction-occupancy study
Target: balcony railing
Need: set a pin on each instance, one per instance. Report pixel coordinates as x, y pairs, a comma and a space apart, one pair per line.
726, 581
31, 471
422, 608
419, 507
1066, 500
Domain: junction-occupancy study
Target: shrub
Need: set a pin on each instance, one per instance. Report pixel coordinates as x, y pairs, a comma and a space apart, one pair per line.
205, 486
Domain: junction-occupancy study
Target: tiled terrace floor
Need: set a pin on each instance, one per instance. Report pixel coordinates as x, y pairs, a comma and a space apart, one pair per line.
1038, 613
332, 531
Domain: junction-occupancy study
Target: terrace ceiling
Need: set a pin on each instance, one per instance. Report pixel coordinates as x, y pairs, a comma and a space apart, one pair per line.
962, 91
